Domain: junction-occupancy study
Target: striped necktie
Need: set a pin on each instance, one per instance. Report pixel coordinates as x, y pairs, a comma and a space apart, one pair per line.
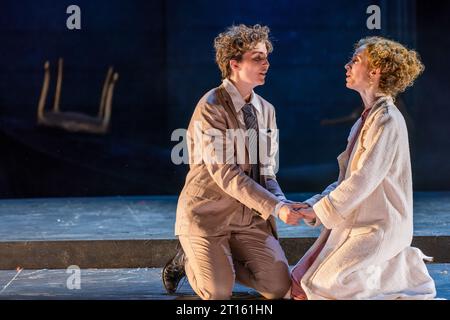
251, 123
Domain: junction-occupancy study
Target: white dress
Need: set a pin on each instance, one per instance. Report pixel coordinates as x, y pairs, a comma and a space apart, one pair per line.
367, 216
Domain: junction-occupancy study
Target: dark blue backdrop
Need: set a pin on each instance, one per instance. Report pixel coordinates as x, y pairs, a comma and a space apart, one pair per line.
163, 52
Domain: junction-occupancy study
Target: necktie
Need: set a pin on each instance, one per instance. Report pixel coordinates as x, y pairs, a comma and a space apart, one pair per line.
251, 122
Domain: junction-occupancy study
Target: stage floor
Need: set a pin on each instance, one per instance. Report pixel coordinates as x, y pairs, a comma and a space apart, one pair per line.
109, 237
126, 284
153, 217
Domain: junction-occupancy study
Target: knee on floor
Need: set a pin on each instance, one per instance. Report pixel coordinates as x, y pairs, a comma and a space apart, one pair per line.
215, 293
275, 286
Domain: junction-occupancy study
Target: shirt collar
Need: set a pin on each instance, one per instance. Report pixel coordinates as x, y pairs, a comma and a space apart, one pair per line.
236, 98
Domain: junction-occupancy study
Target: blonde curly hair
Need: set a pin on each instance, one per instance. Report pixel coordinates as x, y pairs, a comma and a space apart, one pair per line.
235, 41
399, 65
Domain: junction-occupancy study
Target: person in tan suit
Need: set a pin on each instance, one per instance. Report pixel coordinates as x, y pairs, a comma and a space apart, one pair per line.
226, 212
364, 250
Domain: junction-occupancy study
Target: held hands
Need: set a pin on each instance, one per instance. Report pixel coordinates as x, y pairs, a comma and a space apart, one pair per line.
308, 214
290, 213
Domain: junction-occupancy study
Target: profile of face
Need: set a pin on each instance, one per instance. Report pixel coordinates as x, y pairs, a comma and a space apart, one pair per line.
252, 68
359, 75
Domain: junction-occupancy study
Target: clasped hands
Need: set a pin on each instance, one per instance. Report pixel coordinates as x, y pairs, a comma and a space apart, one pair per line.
290, 213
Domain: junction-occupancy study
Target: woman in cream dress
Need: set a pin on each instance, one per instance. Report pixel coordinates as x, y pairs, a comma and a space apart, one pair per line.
364, 250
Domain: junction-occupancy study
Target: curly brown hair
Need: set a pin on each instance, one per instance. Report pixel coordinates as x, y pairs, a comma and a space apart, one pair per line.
399, 66
235, 41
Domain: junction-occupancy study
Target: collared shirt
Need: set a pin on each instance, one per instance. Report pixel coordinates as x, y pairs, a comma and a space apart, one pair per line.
264, 117
239, 102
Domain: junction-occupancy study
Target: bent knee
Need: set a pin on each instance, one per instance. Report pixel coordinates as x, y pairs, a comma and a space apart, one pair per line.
275, 286
277, 292
220, 290
215, 294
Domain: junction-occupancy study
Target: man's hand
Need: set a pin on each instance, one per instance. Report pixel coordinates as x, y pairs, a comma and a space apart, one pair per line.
298, 205
289, 215
308, 214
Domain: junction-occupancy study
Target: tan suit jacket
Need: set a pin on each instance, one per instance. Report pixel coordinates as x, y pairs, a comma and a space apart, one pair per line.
216, 194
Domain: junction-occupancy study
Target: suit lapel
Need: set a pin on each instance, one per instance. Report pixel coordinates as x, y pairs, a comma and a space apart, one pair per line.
229, 107
227, 103
382, 101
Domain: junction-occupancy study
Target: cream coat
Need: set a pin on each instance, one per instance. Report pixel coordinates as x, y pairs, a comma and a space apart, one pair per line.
368, 220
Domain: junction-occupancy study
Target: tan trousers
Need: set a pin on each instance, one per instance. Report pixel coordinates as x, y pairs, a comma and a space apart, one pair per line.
247, 254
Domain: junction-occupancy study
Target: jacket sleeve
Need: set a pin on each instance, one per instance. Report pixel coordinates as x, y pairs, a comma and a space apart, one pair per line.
314, 199
222, 166
333, 208
274, 188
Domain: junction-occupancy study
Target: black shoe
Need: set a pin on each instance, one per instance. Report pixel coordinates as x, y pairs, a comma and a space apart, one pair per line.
174, 271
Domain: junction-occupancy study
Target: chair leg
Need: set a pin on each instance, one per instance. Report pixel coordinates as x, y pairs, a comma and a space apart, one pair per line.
58, 86
107, 115
101, 109
44, 92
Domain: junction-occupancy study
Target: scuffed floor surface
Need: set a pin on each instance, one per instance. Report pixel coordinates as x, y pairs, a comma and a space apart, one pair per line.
153, 217
126, 284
